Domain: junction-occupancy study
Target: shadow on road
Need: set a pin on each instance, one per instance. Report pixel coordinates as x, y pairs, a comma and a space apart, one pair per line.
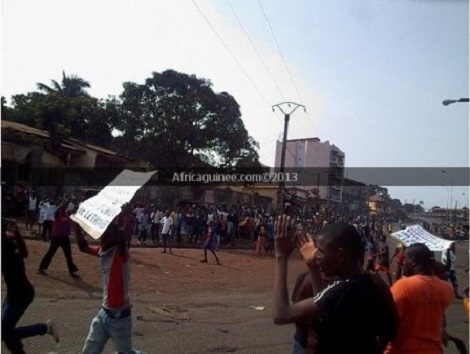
79, 284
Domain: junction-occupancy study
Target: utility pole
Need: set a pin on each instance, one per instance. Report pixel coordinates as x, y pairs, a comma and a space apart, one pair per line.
279, 106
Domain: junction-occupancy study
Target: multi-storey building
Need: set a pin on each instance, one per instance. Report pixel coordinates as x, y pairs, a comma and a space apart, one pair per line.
320, 166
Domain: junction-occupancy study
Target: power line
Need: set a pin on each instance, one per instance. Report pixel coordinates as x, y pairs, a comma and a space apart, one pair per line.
310, 120
230, 51
256, 50
280, 51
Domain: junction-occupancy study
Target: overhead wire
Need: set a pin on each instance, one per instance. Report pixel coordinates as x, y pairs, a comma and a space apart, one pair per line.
256, 50
280, 51
230, 51
285, 64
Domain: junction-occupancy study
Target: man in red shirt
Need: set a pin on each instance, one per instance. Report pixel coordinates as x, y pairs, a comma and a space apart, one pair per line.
60, 238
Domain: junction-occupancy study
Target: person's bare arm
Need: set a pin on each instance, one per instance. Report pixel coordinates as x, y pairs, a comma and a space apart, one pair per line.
81, 241
283, 311
308, 250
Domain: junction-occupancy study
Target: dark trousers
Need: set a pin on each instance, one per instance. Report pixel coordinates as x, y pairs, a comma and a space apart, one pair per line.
46, 229
178, 233
64, 243
11, 335
154, 232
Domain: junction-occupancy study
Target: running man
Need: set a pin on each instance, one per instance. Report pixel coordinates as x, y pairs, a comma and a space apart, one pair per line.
20, 292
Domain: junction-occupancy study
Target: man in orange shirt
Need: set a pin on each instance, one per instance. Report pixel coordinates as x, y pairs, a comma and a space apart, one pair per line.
421, 300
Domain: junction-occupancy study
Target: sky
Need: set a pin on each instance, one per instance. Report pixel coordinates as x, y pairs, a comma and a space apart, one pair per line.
372, 74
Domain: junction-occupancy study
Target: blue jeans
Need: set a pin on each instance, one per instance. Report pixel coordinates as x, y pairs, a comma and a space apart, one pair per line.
104, 327
11, 335
298, 348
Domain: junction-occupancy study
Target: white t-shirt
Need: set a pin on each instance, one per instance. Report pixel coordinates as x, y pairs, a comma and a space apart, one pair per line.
42, 212
50, 212
32, 203
167, 221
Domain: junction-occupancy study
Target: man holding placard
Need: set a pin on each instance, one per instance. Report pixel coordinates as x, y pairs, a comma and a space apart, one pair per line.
114, 318
102, 217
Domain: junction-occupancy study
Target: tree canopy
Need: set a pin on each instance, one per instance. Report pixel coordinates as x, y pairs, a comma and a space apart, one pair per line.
175, 119
171, 120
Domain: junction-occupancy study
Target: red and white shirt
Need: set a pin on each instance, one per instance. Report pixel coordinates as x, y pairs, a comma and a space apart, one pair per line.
115, 267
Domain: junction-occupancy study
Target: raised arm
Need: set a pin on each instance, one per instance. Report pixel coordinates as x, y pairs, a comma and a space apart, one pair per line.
81, 241
308, 250
283, 311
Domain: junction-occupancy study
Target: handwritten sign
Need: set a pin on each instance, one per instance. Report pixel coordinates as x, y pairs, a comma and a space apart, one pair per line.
95, 214
416, 234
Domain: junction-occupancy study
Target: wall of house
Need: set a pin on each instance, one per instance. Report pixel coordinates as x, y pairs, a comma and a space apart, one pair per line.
51, 160
86, 160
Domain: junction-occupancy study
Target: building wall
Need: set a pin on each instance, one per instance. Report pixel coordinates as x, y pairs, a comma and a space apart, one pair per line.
51, 160
86, 160
304, 154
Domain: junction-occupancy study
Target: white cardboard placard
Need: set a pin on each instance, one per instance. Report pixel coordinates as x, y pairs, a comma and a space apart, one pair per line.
96, 213
416, 234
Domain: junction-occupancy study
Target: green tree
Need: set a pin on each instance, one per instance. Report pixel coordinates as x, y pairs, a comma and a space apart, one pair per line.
71, 86
66, 111
177, 120
7, 112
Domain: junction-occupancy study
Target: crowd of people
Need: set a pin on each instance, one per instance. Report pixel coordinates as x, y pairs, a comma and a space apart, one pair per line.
340, 304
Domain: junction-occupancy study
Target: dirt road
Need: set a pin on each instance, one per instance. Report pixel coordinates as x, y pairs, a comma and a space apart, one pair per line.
180, 304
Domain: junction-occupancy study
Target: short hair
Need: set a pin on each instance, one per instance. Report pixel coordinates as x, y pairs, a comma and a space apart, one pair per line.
421, 254
345, 236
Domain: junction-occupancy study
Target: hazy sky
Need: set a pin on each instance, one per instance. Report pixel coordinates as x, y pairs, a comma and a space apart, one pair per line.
372, 73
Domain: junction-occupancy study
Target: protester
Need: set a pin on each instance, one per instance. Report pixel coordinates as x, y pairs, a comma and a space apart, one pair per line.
383, 264
306, 332
221, 233
449, 259
60, 238
270, 245
421, 300
49, 217
20, 292
41, 214
167, 222
114, 318
144, 225
400, 255
31, 212
155, 224
209, 244
354, 314
190, 220
261, 241
371, 253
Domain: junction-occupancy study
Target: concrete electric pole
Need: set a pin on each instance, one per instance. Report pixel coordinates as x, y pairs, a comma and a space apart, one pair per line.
292, 107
